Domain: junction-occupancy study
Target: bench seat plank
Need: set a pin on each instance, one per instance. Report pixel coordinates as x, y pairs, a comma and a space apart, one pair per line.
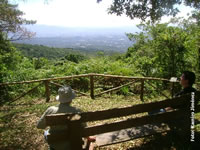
129, 134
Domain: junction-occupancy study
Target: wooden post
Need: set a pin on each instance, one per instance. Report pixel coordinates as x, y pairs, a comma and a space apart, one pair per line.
75, 133
47, 90
172, 89
92, 86
142, 91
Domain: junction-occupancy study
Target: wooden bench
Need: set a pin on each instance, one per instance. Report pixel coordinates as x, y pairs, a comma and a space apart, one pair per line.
124, 130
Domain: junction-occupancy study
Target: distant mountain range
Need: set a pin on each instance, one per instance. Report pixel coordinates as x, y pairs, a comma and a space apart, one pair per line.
106, 39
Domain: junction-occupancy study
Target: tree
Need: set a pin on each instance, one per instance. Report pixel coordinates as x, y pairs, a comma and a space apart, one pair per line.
161, 50
196, 31
9, 58
74, 57
192, 27
152, 9
11, 22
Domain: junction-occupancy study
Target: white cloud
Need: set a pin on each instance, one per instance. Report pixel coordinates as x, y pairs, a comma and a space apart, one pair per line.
71, 13
78, 13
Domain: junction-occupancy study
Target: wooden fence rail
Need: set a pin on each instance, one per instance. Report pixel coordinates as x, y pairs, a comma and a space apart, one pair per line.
116, 88
139, 126
47, 79
91, 76
29, 91
83, 75
60, 119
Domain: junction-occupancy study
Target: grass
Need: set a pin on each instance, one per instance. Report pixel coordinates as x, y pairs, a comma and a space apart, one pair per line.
18, 123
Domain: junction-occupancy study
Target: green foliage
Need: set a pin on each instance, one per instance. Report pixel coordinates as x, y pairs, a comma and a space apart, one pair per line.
9, 59
51, 53
161, 50
39, 62
192, 28
125, 90
74, 57
153, 9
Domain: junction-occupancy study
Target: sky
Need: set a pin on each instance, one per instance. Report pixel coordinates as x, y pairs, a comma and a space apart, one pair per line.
78, 13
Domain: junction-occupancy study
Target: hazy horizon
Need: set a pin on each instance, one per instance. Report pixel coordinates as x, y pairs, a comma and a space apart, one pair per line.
104, 38
58, 31
81, 24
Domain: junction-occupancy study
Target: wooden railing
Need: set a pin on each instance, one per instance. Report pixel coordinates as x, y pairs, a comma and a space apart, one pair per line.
131, 80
